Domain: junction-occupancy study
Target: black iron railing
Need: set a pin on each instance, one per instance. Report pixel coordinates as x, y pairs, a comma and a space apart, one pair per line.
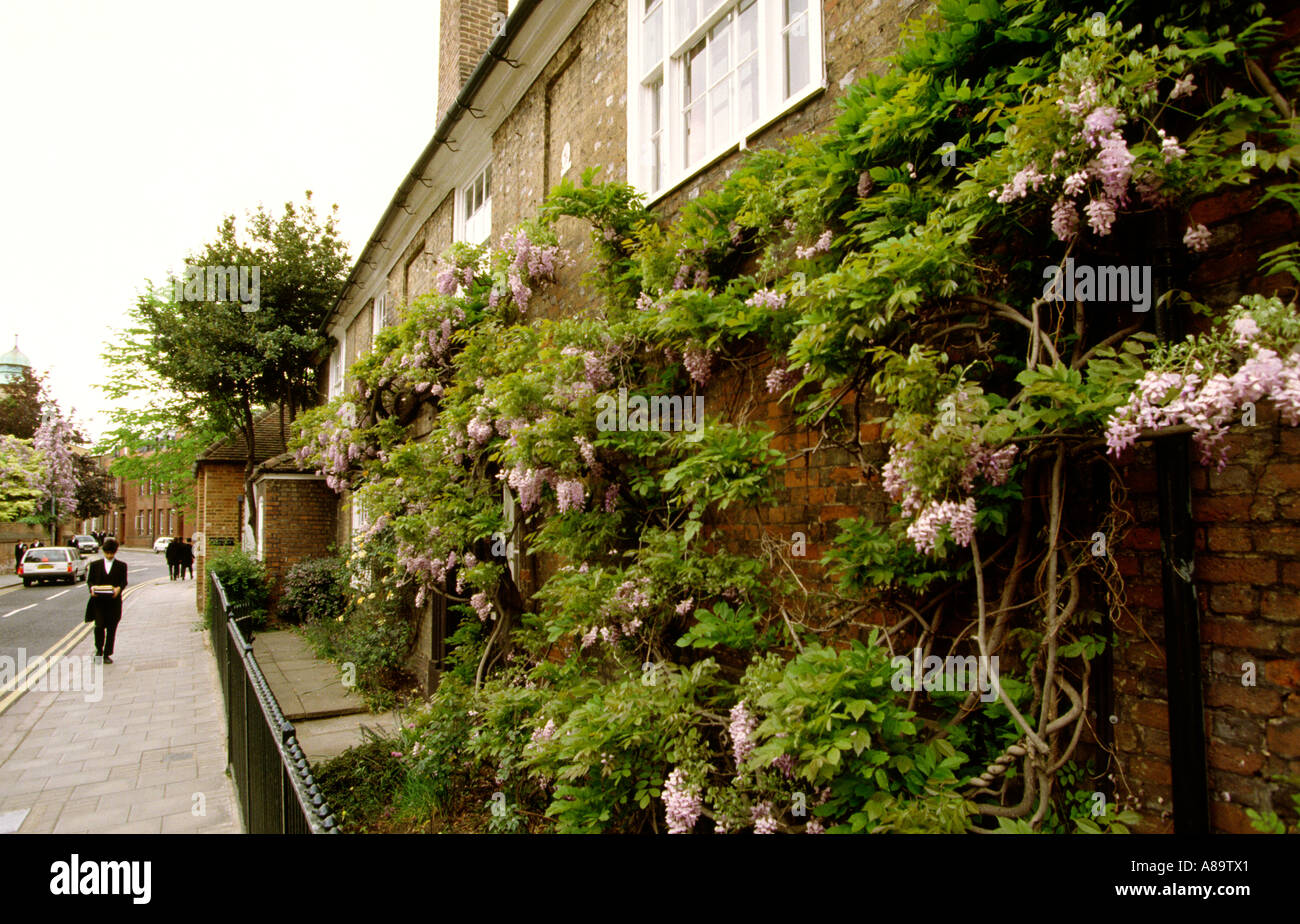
273, 781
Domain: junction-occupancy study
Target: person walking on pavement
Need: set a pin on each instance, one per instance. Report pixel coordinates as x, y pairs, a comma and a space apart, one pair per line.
173, 556
187, 558
106, 581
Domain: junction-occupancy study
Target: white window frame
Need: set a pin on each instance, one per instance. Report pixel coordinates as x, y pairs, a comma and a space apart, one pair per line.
261, 523
360, 518
670, 67
378, 314
475, 228
338, 371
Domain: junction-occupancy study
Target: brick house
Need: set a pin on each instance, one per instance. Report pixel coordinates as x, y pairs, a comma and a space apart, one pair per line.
530, 93
143, 511
295, 510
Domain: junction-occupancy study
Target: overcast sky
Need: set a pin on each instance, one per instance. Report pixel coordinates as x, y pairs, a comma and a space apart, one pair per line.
130, 128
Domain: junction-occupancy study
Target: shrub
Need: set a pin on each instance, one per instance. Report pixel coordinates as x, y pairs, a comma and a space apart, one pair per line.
361, 783
248, 590
313, 590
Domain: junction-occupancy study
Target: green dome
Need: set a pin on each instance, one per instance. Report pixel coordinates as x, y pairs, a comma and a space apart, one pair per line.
13, 363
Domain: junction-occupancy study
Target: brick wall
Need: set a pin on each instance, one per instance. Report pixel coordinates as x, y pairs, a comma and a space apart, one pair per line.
466, 28
1247, 575
358, 334
220, 486
300, 524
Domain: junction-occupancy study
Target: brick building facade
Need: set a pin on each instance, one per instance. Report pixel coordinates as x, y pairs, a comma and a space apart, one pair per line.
556, 88
143, 512
295, 510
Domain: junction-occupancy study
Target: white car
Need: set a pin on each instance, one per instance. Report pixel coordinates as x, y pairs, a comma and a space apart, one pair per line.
160, 544
53, 563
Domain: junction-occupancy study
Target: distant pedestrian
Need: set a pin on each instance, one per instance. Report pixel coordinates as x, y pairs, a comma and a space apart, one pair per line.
173, 556
106, 581
187, 558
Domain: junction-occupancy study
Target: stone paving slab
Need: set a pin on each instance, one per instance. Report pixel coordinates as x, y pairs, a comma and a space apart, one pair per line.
145, 756
322, 739
304, 686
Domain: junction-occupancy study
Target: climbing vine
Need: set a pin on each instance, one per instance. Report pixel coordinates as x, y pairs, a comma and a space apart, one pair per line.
917, 266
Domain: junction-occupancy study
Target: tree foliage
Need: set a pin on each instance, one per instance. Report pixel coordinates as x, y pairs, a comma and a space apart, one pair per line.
209, 366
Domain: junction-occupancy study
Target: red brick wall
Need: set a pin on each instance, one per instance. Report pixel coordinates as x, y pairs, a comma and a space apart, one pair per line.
299, 525
220, 485
1247, 575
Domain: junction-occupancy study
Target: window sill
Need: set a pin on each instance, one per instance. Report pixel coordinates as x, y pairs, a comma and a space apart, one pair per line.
796, 102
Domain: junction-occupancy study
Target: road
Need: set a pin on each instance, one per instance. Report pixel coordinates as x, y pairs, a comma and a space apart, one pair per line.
34, 618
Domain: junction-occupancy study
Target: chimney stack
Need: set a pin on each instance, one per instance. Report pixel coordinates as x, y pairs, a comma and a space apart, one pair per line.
468, 27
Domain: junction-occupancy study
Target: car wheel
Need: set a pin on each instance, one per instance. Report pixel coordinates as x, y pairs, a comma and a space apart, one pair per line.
27, 582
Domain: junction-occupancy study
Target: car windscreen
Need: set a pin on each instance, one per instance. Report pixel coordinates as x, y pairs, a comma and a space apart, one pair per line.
51, 555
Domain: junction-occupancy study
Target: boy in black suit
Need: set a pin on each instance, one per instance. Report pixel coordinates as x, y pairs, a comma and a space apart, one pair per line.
106, 581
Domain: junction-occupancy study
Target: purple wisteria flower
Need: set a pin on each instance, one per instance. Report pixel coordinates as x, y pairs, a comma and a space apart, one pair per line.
682, 805
1197, 238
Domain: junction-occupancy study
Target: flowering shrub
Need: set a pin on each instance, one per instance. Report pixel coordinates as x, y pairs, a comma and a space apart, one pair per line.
662, 679
1252, 353
313, 589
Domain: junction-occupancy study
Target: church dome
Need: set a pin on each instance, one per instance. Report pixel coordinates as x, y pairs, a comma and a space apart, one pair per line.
13, 363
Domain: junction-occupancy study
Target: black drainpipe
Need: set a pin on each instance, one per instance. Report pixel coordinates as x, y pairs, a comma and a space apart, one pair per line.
1182, 614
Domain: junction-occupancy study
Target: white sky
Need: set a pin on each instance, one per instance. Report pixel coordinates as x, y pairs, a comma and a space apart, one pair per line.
130, 128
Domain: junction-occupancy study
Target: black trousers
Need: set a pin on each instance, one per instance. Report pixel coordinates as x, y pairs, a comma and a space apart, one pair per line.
105, 633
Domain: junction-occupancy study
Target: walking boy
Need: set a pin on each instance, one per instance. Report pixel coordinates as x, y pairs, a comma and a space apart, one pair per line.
106, 581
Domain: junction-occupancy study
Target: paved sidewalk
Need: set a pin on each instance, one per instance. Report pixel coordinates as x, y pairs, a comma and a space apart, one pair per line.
146, 755
305, 686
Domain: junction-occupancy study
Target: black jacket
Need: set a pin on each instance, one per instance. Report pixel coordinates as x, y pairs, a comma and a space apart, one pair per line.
104, 607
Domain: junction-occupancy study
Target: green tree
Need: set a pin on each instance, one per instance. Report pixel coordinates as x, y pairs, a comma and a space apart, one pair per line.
94, 493
155, 444
20, 405
20, 474
221, 362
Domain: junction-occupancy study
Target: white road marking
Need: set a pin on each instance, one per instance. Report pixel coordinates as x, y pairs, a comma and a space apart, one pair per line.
19, 610
59, 594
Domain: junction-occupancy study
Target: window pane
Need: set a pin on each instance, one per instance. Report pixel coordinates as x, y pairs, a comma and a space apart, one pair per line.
652, 34
747, 93
793, 9
719, 50
796, 55
656, 101
747, 26
685, 17
720, 112
657, 172
695, 133
695, 78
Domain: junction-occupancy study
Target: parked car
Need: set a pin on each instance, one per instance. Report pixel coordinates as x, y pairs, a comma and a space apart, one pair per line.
86, 544
52, 564
160, 544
